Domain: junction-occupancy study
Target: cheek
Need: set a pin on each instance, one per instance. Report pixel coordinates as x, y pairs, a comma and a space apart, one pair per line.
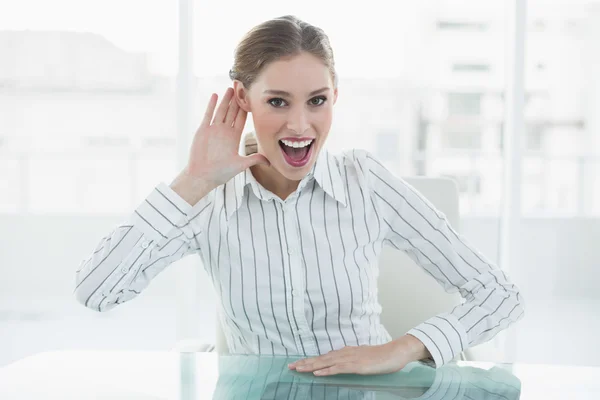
266, 126
265, 121
323, 119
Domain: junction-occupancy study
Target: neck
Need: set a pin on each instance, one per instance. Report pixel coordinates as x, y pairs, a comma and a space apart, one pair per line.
273, 181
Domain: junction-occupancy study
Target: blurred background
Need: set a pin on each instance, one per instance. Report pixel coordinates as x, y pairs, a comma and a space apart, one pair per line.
99, 100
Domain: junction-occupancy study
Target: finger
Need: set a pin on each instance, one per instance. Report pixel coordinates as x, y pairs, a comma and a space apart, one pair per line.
312, 360
340, 358
210, 109
255, 159
308, 361
232, 112
303, 362
240, 120
222, 110
319, 364
340, 368
292, 365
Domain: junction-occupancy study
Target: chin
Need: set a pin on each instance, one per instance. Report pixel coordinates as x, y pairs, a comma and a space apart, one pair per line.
294, 174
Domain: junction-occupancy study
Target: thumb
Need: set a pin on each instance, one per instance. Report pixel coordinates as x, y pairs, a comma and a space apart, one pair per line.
256, 159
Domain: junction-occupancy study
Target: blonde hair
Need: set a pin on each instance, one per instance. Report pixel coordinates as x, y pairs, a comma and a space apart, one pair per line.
250, 144
272, 40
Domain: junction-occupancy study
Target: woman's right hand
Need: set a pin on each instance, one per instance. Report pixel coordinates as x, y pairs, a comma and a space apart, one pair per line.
214, 156
214, 153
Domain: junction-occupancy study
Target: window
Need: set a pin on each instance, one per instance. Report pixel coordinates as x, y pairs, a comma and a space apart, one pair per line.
463, 136
539, 25
534, 137
106, 141
387, 146
87, 121
464, 104
86, 109
462, 26
460, 67
560, 114
10, 183
467, 183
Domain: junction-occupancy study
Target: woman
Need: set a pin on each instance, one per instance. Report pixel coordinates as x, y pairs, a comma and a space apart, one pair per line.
290, 234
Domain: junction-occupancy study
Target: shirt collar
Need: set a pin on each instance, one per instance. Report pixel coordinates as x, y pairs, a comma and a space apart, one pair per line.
330, 176
326, 171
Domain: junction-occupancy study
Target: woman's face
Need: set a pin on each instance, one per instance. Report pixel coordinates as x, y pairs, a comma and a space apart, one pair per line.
291, 102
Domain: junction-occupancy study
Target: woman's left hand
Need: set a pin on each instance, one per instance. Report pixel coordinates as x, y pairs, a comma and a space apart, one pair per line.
365, 360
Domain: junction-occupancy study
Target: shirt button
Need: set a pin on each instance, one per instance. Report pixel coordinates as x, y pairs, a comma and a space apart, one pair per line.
145, 244
124, 270
290, 251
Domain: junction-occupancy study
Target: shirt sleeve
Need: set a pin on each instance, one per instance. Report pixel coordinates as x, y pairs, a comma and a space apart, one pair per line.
491, 302
162, 229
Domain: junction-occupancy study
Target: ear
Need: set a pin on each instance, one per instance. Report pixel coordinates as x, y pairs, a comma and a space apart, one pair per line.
240, 94
335, 95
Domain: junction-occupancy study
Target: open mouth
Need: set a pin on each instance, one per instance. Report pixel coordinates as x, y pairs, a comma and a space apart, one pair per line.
296, 153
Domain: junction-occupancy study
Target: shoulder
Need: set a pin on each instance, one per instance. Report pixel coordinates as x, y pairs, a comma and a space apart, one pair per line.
353, 158
361, 164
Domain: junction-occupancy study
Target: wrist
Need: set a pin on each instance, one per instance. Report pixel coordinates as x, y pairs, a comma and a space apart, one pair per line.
191, 188
411, 348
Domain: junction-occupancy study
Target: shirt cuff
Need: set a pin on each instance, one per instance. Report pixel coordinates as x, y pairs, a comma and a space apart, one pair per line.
444, 337
162, 212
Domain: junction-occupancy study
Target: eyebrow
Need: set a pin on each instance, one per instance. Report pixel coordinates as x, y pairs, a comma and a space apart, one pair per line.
284, 93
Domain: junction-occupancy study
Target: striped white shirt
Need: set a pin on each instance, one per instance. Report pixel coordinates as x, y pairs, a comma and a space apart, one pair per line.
299, 277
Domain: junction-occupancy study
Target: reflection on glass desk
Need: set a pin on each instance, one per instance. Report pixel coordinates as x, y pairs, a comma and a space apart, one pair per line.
269, 379
179, 376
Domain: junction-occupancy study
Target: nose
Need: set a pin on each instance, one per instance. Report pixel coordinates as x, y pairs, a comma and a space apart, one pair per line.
298, 121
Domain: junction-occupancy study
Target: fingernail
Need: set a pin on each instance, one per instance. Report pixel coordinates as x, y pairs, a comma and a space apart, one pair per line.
318, 372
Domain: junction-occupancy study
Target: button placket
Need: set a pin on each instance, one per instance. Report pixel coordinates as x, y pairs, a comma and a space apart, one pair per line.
286, 269
297, 292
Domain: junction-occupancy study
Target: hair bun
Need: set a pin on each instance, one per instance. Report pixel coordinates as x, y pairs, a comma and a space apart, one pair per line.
250, 144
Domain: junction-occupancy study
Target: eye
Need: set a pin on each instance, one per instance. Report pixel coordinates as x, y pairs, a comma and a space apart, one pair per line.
278, 100
320, 100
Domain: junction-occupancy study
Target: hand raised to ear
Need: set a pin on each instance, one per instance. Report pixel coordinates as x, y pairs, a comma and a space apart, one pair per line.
214, 158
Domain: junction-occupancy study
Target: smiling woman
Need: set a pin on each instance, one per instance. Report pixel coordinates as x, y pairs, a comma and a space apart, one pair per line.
284, 74
291, 234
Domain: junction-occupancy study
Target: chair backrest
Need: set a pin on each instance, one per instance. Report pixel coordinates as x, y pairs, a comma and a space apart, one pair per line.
408, 295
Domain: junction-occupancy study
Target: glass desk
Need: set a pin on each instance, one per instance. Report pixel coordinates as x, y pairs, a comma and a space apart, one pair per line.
171, 375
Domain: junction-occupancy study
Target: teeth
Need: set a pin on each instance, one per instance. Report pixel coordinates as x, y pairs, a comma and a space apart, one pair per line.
297, 144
